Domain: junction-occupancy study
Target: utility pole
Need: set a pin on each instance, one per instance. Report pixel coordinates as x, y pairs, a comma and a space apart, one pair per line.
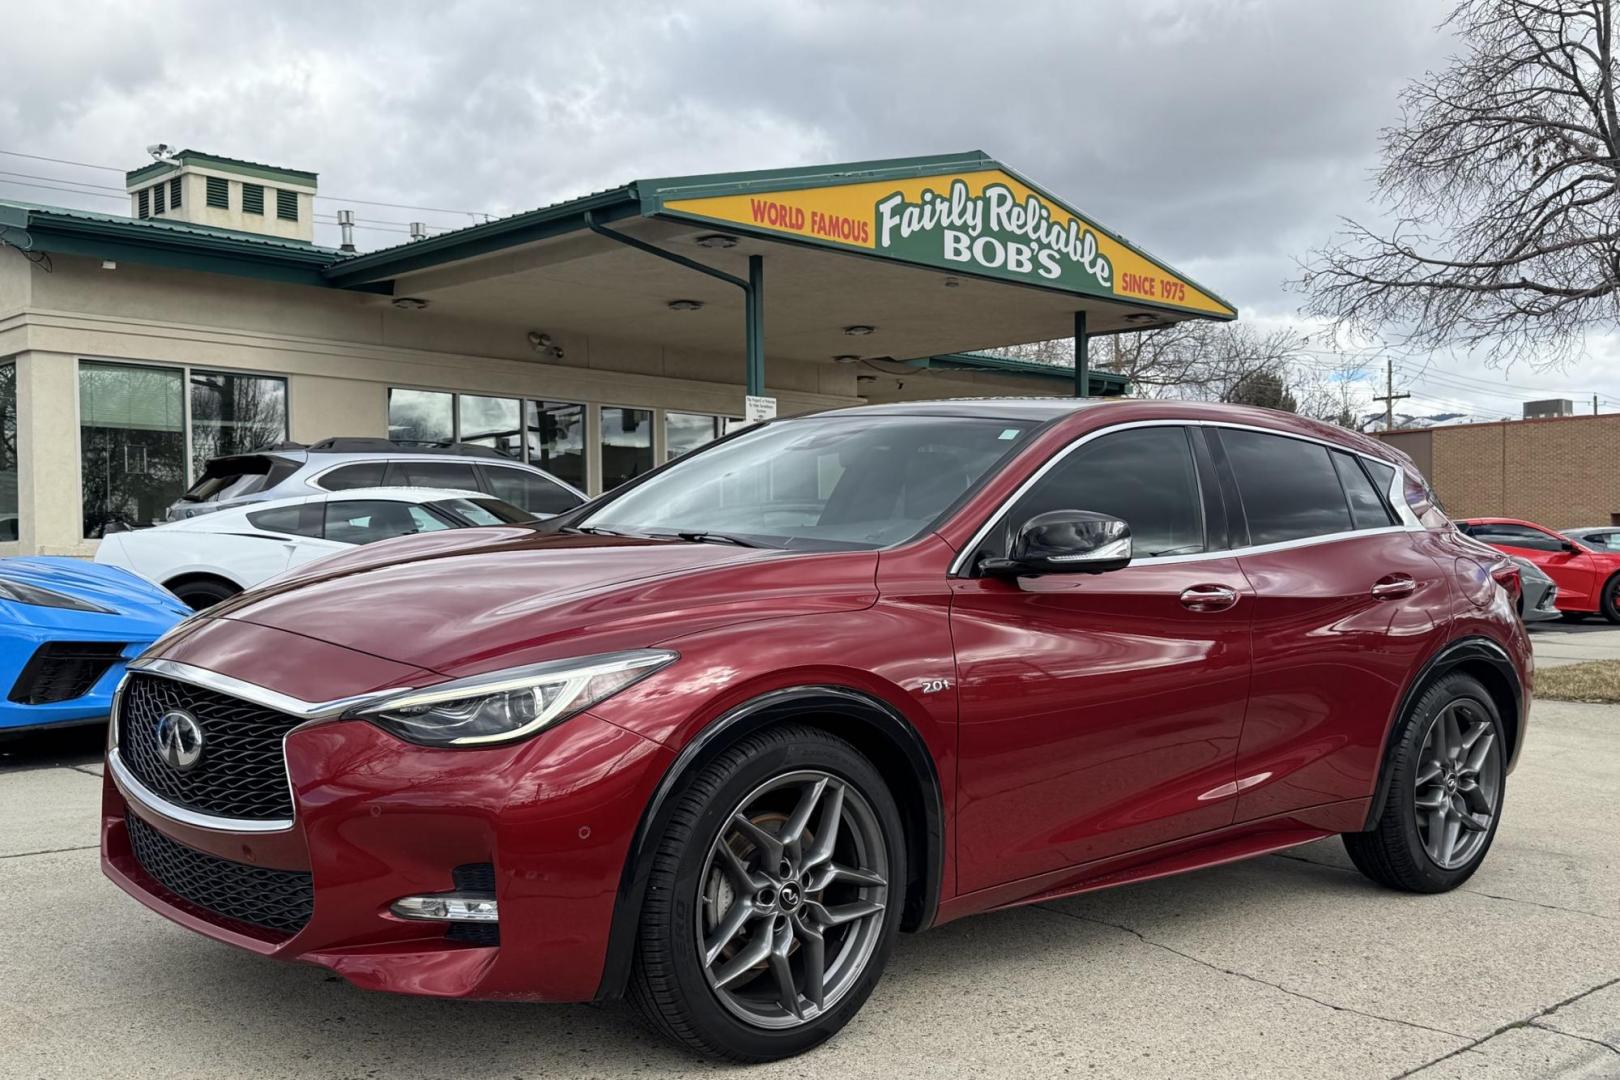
1390, 396
1594, 404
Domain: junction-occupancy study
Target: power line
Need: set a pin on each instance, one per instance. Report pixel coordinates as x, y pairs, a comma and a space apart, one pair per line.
330, 198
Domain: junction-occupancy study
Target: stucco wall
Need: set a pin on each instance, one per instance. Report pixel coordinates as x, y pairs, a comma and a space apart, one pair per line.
340, 353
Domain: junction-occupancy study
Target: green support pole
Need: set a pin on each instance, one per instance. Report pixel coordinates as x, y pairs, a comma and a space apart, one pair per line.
756, 325
1082, 361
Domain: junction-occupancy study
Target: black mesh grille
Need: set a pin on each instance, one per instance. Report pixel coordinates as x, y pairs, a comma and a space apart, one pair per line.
474, 878
280, 900
64, 670
241, 774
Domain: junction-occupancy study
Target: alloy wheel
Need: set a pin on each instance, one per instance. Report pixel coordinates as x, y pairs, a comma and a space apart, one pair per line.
792, 898
1458, 784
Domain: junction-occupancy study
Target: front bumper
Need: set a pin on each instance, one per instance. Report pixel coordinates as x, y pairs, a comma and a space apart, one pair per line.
377, 819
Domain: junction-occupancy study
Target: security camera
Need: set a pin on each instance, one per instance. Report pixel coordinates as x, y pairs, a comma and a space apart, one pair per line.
160, 151
540, 342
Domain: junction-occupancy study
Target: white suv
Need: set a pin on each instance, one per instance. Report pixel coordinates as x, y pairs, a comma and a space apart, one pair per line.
290, 470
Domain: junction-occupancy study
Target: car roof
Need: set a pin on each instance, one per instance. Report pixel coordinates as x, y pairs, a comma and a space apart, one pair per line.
216, 521
1122, 410
1504, 521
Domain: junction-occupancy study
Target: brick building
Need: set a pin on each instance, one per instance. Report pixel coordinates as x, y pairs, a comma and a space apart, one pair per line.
1563, 472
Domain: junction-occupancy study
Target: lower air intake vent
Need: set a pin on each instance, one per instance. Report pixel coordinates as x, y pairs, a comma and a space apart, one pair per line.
280, 900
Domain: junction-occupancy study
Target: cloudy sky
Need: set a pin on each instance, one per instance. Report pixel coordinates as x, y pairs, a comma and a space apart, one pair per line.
1227, 136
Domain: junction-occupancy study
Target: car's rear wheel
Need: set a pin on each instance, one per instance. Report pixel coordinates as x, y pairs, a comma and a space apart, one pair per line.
202, 592
773, 899
1609, 601
1447, 777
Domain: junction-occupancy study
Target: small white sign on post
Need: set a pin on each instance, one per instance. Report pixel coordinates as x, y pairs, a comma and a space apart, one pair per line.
758, 409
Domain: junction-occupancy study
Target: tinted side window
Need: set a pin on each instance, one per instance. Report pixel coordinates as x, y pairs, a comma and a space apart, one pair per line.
435, 474
365, 521
360, 475
1367, 508
293, 520
533, 493
1290, 489
1518, 536
1144, 476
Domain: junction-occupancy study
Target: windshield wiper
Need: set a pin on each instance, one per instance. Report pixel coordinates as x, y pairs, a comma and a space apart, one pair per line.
597, 530
697, 537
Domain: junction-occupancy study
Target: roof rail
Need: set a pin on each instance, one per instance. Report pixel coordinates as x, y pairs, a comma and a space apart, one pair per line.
360, 445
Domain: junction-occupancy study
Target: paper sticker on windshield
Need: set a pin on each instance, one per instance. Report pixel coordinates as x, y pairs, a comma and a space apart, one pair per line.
1010, 433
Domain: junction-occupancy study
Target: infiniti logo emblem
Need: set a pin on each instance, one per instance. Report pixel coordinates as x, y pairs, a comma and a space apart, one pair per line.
180, 740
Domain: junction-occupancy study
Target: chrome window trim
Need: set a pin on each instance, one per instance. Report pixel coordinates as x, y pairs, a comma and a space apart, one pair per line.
1396, 495
308, 712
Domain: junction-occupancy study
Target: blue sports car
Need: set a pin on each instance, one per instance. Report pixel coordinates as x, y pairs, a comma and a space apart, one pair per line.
66, 628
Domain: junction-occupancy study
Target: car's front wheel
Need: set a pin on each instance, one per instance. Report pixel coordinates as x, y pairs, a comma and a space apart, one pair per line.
773, 900
1447, 776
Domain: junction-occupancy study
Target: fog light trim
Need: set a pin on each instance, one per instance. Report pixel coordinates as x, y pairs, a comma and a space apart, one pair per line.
447, 907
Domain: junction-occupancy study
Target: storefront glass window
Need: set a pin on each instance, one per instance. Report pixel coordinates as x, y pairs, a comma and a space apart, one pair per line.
627, 444
132, 443
8, 452
492, 422
422, 416
684, 431
235, 414
556, 432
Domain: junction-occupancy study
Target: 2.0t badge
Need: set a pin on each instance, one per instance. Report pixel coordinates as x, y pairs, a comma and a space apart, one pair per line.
180, 740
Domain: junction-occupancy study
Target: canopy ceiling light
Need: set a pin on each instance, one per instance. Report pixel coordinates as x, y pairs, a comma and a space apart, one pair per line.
858, 330
1142, 318
685, 305
846, 358
717, 240
409, 303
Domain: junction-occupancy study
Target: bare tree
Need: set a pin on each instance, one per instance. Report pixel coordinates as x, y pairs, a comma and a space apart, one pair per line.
1502, 179
1203, 361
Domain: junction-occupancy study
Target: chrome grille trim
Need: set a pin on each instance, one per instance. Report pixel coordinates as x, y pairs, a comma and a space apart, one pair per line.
306, 712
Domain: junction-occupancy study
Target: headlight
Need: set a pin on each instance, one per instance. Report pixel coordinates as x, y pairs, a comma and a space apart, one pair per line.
31, 594
512, 704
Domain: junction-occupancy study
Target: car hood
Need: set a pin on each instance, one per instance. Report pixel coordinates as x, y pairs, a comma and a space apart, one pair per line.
470, 600
135, 606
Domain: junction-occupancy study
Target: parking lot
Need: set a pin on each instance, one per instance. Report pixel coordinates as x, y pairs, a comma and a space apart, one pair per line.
1292, 965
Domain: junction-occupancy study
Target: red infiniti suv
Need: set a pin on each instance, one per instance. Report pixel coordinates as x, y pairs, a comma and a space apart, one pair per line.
1588, 578
712, 740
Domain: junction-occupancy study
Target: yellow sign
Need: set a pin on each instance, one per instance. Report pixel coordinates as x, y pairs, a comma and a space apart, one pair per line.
985, 222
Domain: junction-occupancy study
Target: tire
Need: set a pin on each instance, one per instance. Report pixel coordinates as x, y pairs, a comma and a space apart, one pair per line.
200, 593
1404, 853
1609, 599
767, 779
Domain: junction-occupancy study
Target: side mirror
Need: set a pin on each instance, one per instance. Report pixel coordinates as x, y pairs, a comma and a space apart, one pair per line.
1572, 547
1065, 542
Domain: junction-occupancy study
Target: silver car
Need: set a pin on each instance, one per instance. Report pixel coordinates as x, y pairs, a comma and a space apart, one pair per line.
1602, 537
1538, 594
291, 470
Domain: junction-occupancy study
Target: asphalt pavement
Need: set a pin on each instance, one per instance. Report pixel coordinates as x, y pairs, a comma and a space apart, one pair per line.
1286, 966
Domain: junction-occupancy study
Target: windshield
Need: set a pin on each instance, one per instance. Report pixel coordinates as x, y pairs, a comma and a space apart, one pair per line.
818, 483
484, 511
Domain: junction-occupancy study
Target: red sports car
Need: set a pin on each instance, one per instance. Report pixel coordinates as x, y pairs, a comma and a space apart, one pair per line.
713, 739
1588, 578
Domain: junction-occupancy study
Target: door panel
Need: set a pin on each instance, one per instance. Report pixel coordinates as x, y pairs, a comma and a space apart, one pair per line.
1339, 627
1099, 713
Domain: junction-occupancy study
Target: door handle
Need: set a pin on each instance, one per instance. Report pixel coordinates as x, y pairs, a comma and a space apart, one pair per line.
1393, 587
1209, 598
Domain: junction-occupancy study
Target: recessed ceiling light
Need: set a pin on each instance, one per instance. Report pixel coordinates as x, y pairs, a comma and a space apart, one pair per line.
717, 240
951, 283
858, 330
410, 303
846, 358
1141, 317
685, 305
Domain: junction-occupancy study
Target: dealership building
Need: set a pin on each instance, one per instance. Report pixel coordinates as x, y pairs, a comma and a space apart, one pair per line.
595, 337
